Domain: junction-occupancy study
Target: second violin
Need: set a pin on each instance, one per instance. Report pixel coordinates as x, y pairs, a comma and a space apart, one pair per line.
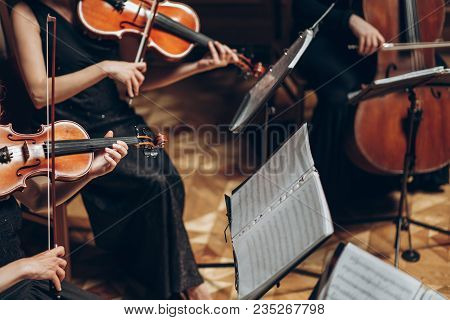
174, 33
23, 156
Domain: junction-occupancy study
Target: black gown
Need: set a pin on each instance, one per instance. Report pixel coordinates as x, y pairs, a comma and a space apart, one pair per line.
334, 71
331, 69
136, 212
11, 250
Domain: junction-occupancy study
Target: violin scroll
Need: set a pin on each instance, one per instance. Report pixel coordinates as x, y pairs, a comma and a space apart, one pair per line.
149, 142
249, 68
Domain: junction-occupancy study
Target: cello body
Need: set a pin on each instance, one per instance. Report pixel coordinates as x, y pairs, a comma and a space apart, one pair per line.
378, 141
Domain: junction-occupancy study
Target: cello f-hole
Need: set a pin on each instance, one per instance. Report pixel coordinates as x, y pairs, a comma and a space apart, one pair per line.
390, 67
436, 93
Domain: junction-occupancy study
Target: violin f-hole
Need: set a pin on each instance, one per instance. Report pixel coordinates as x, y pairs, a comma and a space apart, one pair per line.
123, 25
11, 137
21, 169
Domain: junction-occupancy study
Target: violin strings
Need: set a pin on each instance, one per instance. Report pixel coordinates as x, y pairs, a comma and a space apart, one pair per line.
74, 145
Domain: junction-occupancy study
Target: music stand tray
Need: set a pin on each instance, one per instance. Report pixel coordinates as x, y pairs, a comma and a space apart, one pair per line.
432, 77
438, 76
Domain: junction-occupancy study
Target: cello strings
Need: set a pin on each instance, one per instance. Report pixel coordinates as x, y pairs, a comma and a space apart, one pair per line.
410, 33
418, 38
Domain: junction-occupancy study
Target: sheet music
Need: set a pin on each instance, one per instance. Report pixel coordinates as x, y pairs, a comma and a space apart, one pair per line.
426, 293
285, 232
286, 166
358, 275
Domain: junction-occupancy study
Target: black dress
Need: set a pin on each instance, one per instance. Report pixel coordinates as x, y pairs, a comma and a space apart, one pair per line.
11, 250
334, 71
137, 211
330, 69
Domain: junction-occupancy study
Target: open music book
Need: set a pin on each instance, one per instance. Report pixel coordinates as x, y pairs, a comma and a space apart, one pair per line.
354, 274
277, 217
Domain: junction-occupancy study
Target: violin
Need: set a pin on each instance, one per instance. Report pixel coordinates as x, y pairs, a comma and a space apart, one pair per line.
24, 156
378, 142
174, 31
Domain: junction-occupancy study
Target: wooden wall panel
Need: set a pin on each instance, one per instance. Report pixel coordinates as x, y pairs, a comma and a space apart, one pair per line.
238, 22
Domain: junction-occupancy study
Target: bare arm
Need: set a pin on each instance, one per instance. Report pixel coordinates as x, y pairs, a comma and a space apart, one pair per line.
31, 60
34, 196
32, 63
219, 56
160, 77
48, 265
11, 274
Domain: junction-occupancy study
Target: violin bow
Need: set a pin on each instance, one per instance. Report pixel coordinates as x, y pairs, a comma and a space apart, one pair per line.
51, 174
151, 15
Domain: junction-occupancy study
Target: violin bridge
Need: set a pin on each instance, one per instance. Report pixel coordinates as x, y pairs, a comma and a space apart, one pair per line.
25, 152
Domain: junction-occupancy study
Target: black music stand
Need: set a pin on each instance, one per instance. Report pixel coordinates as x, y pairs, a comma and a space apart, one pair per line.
407, 82
258, 96
263, 90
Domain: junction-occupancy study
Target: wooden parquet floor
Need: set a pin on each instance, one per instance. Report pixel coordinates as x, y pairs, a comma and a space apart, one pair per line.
207, 164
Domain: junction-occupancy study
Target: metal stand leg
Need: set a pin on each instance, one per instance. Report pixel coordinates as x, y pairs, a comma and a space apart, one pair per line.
268, 111
402, 220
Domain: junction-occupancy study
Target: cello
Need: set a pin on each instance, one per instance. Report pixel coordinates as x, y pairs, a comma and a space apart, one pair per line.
378, 141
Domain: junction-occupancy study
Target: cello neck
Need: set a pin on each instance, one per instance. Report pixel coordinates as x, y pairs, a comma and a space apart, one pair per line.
165, 23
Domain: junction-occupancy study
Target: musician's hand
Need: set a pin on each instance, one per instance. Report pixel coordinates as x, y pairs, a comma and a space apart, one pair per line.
370, 39
48, 265
106, 161
219, 56
130, 74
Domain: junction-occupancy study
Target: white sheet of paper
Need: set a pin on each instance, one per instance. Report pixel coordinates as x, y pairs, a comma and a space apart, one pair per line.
278, 215
282, 236
288, 164
358, 275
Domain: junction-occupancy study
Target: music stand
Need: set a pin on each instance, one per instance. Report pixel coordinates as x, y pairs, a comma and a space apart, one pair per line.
407, 82
263, 90
258, 96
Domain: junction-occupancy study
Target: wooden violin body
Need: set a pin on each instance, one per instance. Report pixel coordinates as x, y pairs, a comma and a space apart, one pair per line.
174, 33
114, 18
24, 156
379, 139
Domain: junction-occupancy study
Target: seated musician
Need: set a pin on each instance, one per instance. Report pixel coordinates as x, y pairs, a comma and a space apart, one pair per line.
150, 242
23, 278
334, 71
